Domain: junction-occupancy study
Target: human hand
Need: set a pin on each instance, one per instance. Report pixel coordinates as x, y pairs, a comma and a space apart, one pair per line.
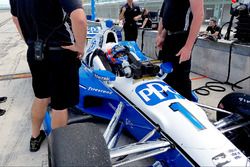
75, 48
159, 42
184, 54
203, 34
136, 18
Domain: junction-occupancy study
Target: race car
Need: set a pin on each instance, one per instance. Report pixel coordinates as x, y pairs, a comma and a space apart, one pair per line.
118, 83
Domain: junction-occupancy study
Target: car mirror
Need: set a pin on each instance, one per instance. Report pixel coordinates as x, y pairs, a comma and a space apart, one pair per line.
109, 23
104, 75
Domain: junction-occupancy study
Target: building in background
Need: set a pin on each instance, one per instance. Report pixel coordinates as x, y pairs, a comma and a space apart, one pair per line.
219, 9
4, 4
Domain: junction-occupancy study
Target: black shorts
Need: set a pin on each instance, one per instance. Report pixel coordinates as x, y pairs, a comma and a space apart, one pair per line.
56, 77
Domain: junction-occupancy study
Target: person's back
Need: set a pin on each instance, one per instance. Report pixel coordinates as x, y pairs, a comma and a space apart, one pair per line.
47, 15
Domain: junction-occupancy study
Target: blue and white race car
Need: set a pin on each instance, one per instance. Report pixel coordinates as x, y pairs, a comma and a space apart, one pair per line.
120, 84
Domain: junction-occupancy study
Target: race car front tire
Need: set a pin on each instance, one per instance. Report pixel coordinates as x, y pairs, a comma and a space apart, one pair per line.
77, 145
238, 103
235, 102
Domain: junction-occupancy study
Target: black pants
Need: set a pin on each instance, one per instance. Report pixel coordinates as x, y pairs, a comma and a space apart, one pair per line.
179, 78
130, 32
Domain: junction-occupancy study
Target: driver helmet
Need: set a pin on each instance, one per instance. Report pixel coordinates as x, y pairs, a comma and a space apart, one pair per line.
117, 54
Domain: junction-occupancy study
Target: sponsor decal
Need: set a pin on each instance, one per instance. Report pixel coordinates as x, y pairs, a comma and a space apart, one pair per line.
153, 93
93, 29
221, 160
235, 153
244, 100
99, 90
102, 78
179, 107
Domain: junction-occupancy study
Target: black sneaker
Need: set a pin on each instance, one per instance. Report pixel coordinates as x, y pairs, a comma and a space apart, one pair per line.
35, 143
2, 112
3, 99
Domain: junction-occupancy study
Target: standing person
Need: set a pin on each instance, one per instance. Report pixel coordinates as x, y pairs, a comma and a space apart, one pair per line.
178, 28
146, 21
55, 32
130, 14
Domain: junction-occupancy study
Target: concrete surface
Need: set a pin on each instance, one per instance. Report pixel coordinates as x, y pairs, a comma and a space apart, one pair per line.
15, 125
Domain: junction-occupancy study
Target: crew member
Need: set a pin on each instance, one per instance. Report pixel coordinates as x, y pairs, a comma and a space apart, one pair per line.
178, 28
55, 32
130, 14
212, 31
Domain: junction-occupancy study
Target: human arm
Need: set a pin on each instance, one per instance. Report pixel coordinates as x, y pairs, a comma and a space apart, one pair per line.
136, 18
138, 14
204, 33
216, 33
79, 27
121, 15
16, 22
13, 11
144, 22
79, 24
207, 30
198, 14
161, 35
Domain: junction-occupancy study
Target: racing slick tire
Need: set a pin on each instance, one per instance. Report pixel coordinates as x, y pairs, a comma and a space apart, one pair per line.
237, 103
77, 145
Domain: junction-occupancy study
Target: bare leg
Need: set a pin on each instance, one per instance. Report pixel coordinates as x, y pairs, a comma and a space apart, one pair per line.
38, 112
59, 118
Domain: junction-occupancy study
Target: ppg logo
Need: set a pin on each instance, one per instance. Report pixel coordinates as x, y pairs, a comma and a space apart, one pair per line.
153, 93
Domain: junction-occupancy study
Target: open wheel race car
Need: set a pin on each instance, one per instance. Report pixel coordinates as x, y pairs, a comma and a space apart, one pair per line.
120, 84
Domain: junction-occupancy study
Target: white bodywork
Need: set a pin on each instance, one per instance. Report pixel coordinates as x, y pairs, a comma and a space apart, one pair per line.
208, 147
190, 129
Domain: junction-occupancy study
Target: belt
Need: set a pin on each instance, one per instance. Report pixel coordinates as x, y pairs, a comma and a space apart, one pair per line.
176, 32
55, 45
56, 48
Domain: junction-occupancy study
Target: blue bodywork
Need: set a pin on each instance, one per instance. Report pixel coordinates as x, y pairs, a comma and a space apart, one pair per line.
99, 100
